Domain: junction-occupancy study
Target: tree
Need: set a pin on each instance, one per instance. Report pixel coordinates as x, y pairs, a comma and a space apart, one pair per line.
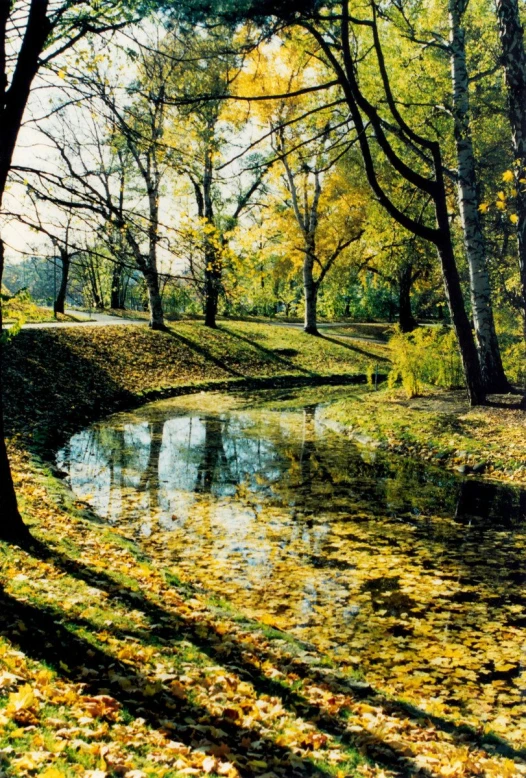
314, 198
32, 36
514, 62
346, 44
457, 105
310, 147
209, 62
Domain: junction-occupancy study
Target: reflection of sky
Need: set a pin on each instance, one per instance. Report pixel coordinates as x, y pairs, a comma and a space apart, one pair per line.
272, 511
153, 469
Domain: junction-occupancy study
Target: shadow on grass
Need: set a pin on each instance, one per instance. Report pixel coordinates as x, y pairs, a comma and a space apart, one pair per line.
80, 661
203, 352
41, 372
356, 349
242, 660
271, 355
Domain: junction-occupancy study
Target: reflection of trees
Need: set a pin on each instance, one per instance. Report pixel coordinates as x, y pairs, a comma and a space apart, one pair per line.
149, 479
213, 466
501, 506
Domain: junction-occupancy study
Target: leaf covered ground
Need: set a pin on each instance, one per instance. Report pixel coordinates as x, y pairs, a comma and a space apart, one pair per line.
111, 666
441, 428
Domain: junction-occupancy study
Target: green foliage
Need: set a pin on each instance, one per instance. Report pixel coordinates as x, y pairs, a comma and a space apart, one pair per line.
429, 355
514, 361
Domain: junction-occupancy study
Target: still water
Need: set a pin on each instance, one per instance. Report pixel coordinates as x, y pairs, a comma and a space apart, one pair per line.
412, 577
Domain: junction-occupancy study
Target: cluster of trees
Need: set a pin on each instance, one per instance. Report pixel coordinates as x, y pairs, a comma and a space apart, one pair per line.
241, 154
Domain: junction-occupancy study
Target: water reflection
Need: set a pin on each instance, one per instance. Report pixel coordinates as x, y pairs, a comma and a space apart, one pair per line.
404, 571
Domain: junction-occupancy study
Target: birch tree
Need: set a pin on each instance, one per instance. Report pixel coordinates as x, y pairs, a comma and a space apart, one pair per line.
514, 63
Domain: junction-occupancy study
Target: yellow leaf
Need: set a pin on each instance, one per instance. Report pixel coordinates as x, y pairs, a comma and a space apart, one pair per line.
51, 772
209, 764
514, 218
508, 176
22, 700
483, 207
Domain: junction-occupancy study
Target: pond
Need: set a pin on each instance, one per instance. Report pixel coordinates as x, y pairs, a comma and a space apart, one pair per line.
412, 577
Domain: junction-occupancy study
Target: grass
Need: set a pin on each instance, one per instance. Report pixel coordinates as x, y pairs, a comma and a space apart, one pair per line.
68, 377
440, 427
113, 665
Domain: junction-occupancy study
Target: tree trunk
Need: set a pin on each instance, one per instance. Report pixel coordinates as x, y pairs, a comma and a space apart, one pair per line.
60, 302
485, 333
12, 528
213, 266
405, 315
461, 323
514, 61
211, 299
311, 295
155, 305
117, 301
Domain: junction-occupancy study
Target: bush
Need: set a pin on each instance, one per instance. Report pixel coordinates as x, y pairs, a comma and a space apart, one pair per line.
429, 355
514, 361
20, 307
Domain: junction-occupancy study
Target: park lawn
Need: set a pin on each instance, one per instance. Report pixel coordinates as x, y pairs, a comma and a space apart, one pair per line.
439, 427
59, 378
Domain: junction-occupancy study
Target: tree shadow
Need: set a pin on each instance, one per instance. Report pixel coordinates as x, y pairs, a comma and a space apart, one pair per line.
80, 661
37, 367
271, 355
356, 349
242, 660
206, 353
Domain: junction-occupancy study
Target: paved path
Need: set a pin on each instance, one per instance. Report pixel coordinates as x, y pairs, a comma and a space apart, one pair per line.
84, 320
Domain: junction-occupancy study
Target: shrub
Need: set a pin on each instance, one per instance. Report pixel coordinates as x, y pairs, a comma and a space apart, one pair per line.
429, 355
514, 361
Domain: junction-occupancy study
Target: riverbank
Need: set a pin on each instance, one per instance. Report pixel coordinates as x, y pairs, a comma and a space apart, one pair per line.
58, 379
114, 664
439, 427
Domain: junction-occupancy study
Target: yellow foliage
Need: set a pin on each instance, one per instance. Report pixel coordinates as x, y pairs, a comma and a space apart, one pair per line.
425, 356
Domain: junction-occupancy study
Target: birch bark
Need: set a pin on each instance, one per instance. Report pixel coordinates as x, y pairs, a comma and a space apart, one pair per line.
511, 35
480, 289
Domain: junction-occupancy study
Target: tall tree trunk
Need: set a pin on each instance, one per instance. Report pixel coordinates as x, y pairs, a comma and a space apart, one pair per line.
211, 297
12, 528
311, 295
12, 110
514, 60
406, 319
461, 323
117, 301
151, 273
213, 265
480, 289
155, 304
60, 302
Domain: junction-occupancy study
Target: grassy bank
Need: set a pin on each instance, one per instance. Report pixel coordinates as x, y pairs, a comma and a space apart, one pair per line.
112, 664
441, 428
56, 379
